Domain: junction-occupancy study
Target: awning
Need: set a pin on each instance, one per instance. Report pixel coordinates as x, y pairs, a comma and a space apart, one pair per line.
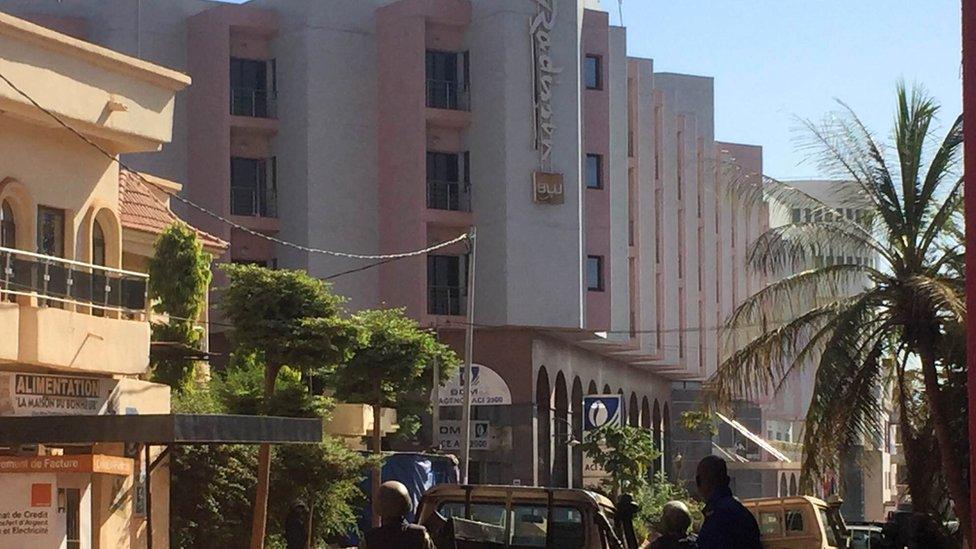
159, 429
755, 438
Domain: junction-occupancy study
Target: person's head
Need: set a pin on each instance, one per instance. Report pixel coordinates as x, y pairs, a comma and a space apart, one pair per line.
712, 474
675, 518
393, 501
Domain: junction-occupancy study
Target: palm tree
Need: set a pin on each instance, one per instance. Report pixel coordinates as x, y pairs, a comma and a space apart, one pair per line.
852, 319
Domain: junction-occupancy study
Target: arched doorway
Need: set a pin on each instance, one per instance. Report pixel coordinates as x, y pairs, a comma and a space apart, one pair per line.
645, 419
576, 420
656, 432
666, 442
592, 388
783, 489
8, 238
634, 411
543, 414
792, 484
560, 462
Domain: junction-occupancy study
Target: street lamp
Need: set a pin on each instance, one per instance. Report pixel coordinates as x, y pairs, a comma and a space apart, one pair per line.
572, 440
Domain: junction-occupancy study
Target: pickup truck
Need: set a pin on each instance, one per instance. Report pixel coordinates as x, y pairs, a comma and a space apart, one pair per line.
798, 522
517, 517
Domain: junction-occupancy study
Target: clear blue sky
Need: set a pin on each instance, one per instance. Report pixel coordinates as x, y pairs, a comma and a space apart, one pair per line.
774, 60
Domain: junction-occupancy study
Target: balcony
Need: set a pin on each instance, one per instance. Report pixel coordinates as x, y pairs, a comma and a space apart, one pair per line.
253, 202
446, 300
69, 315
446, 94
453, 196
253, 102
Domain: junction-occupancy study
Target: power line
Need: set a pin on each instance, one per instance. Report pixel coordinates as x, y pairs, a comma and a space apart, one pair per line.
218, 217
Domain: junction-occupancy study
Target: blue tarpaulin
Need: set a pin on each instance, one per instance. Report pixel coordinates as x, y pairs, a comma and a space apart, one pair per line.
418, 472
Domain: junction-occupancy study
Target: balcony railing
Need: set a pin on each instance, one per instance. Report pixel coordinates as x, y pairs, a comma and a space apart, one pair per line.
58, 282
448, 195
446, 300
253, 202
445, 94
253, 102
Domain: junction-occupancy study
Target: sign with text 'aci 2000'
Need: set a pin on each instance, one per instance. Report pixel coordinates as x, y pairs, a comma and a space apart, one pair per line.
601, 410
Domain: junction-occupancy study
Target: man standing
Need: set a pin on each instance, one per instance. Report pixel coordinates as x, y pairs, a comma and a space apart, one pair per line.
675, 522
728, 524
393, 504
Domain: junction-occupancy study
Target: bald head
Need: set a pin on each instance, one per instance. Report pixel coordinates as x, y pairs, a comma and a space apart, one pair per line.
675, 518
712, 473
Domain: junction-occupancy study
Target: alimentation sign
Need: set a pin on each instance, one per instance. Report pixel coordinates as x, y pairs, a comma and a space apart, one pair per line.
27, 394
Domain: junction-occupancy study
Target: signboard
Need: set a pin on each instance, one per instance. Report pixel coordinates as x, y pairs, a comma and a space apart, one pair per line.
601, 410
81, 463
449, 435
544, 73
487, 389
547, 188
29, 516
598, 411
26, 394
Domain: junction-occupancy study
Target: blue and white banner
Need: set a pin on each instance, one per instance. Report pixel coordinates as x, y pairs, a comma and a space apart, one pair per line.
601, 410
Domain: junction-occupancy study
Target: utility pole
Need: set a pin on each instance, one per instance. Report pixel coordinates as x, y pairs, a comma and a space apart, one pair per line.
969, 168
468, 352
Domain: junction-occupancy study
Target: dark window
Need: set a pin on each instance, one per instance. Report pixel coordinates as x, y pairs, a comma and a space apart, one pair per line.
253, 186
252, 88
8, 228
447, 79
50, 231
794, 520
796, 215
448, 178
72, 504
594, 273
444, 285
98, 244
594, 171
592, 72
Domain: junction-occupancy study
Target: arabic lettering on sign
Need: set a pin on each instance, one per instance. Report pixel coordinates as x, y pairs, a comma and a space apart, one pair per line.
543, 75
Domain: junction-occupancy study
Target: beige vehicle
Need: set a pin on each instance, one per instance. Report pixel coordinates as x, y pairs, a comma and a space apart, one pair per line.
469, 517
798, 522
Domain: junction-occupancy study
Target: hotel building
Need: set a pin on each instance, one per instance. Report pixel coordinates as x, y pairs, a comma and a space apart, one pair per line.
610, 242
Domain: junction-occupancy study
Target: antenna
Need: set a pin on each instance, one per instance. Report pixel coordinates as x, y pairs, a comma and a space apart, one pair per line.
620, 11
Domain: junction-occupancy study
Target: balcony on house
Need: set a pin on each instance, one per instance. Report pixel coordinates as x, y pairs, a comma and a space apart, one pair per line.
253, 88
253, 187
70, 315
447, 81
446, 293
448, 182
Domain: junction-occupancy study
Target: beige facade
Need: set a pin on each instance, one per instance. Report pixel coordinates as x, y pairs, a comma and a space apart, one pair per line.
74, 332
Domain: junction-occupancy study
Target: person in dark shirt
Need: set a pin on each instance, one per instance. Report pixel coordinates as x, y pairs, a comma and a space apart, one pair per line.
393, 504
296, 526
675, 522
728, 524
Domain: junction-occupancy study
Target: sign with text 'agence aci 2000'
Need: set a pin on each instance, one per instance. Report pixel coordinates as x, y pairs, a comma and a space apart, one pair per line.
598, 411
487, 389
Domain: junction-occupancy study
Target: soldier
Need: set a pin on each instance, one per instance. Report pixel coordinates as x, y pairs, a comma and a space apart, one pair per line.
393, 503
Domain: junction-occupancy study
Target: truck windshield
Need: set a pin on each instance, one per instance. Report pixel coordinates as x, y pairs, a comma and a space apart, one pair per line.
530, 524
828, 527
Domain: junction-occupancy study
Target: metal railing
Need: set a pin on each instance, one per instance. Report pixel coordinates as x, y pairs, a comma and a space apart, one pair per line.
253, 102
253, 202
56, 281
445, 94
448, 195
446, 300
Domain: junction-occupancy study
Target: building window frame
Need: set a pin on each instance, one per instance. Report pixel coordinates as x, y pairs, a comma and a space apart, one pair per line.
598, 284
598, 159
593, 72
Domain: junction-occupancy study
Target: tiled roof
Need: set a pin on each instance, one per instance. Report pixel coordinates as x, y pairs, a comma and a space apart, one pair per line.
140, 210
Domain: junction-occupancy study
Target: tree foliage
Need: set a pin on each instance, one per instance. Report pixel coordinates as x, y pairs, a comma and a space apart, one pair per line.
849, 319
179, 275
625, 453
651, 499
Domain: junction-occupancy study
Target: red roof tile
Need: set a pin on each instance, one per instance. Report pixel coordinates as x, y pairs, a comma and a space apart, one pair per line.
140, 210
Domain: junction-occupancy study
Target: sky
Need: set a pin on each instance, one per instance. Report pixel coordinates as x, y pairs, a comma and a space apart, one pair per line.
778, 60
775, 61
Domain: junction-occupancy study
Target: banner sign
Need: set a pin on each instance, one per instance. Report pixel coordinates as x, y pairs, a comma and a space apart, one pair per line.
26, 394
80, 463
449, 435
487, 389
29, 516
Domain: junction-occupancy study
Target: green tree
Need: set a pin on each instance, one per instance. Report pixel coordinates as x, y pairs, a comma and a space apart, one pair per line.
394, 362
651, 499
283, 318
626, 453
179, 275
847, 318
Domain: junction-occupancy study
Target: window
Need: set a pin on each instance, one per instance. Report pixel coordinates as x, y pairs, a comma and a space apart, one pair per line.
444, 285
447, 80
50, 231
794, 520
252, 91
253, 186
8, 228
796, 215
594, 171
769, 523
806, 215
71, 498
531, 525
594, 273
98, 244
592, 73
